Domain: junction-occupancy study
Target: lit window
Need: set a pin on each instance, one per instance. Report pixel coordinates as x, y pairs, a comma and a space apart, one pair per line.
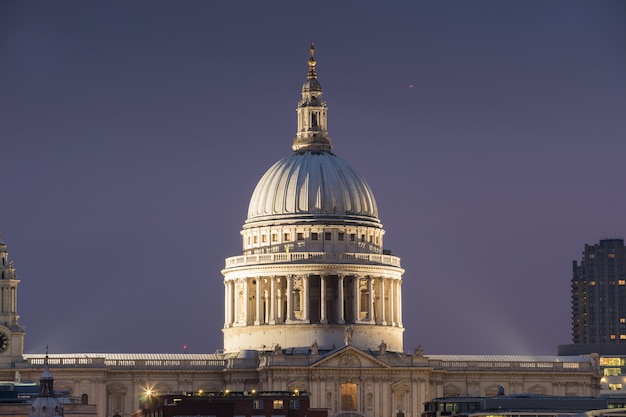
257, 404
613, 337
340, 236
592, 255
592, 283
313, 236
327, 236
256, 239
610, 362
278, 404
274, 237
263, 238
611, 256
622, 282
622, 336
622, 320
615, 387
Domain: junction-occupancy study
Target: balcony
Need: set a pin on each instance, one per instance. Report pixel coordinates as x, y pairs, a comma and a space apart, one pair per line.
313, 257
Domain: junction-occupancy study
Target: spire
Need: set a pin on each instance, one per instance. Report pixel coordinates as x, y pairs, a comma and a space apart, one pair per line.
311, 134
312, 74
46, 382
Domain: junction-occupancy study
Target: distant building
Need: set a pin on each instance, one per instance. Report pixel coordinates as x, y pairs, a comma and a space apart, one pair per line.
228, 404
599, 313
27, 399
526, 405
599, 294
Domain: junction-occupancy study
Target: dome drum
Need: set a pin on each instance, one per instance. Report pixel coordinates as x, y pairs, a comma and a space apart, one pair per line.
312, 238
304, 336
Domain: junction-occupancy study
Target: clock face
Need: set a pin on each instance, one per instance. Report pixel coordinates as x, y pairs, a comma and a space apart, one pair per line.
4, 342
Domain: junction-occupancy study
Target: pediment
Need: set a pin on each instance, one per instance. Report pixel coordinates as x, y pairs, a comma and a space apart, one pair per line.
298, 384
349, 357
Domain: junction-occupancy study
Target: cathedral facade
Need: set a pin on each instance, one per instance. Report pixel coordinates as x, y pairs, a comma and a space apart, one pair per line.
314, 303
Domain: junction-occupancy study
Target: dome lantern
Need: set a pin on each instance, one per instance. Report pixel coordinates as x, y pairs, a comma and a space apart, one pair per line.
312, 134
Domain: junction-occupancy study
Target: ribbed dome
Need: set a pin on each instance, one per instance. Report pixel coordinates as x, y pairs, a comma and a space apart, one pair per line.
311, 85
312, 185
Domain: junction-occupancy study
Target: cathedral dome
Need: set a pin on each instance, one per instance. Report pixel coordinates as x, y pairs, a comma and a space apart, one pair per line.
312, 185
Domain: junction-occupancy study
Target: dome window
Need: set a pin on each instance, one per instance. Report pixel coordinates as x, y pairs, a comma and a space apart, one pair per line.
300, 236
286, 237
327, 236
313, 236
340, 236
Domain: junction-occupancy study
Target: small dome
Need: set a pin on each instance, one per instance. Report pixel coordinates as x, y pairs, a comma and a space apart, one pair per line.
311, 185
46, 407
311, 85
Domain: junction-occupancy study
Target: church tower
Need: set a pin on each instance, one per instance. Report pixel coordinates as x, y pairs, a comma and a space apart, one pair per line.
11, 333
313, 274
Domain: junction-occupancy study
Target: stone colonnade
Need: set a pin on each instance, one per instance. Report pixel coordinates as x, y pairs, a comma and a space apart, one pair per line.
312, 298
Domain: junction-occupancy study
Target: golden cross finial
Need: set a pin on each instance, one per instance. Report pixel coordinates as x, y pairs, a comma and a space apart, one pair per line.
312, 62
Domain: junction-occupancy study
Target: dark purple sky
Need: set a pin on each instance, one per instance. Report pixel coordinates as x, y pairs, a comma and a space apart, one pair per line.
132, 135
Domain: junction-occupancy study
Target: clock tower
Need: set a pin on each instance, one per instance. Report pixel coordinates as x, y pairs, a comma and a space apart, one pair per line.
11, 333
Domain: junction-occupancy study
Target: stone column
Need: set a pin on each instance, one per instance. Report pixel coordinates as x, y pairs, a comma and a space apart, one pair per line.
306, 297
356, 305
383, 306
370, 299
399, 307
341, 319
323, 299
392, 296
257, 315
226, 304
289, 316
272, 299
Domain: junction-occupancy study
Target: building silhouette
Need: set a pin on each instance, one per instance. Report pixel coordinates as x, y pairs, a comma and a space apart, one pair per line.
599, 294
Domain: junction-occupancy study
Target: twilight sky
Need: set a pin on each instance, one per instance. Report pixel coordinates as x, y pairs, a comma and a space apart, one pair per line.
132, 135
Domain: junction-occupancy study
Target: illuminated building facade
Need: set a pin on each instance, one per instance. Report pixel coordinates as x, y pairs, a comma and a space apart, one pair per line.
314, 304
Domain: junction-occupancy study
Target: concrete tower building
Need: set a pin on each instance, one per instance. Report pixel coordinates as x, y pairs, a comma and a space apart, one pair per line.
313, 269
599, 294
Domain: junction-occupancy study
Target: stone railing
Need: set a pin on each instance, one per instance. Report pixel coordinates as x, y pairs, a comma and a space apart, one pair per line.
313, 257
513, 366
103, 362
